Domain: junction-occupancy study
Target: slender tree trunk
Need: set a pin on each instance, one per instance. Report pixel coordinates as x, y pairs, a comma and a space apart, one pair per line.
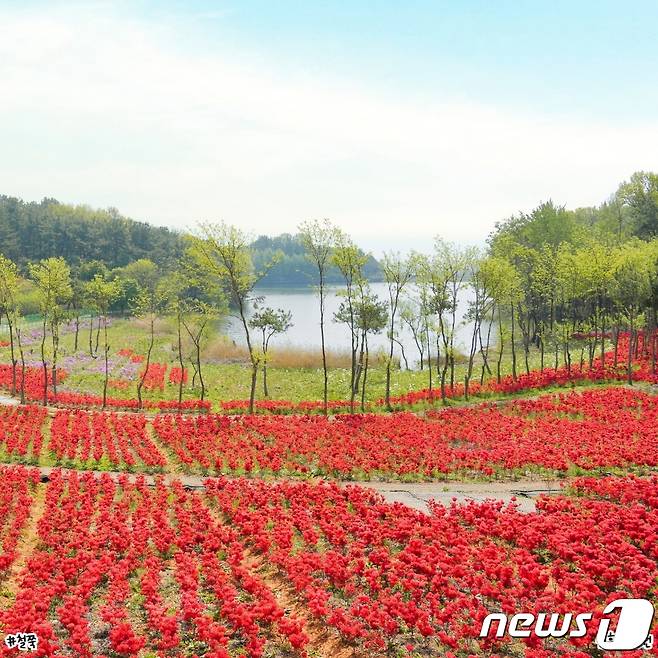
98, 333
142, 379
438, 368
325, 393
107, 368
403, 353
485, 351
91, 336
615, 344
10, 324
629, 365
180, 359
196, 339
20, 349
55, 336
501, 347
252, 390
472, 352
557, 352
198, 368
602, 338
359, 370
77, 332
429, 363
394, 307
265, 348
45, 365
365, 375
419, 345
513, 344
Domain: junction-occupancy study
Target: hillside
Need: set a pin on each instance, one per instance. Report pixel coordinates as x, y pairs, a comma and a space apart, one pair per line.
30, 231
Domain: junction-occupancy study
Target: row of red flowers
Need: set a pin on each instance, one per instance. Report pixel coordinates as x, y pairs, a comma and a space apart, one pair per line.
102, 543
611, 369
34, 393
388, 576
588, 430
595, 428
379, 576
122, 440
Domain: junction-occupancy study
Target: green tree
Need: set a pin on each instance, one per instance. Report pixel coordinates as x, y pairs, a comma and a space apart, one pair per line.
226, 251
640, 195
101, 294
398, 273
52, 277
269, 322
349, 260
9, 307
319, 239
631, 289
150, 302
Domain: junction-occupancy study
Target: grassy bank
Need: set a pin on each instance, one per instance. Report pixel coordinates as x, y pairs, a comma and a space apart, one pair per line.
293, 374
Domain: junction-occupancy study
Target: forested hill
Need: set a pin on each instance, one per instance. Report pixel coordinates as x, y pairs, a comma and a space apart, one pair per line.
294, 268
32, 231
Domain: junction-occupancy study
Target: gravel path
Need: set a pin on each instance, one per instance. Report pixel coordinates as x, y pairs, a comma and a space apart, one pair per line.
417, 495
8, 401
414, 495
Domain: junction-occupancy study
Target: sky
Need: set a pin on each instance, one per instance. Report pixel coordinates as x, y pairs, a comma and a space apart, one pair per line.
399, 121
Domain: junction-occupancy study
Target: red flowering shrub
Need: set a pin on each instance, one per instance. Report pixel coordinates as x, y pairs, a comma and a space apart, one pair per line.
380, 576
608, 369
176, 375
154, 376
122, 440
15, 506
20, 431
387, 575
591, 429
110, 542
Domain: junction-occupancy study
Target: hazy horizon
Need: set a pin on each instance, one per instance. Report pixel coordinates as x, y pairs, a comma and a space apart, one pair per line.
398, 125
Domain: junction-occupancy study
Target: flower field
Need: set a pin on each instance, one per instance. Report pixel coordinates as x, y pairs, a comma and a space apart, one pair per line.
20, 431
610, 427
121, 440
299, 567
564, 433
259, 569
64, 398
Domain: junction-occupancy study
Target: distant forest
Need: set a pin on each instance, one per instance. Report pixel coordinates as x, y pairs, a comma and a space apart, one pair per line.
32, 231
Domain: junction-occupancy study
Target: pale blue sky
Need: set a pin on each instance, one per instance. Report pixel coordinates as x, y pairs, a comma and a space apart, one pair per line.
399, 121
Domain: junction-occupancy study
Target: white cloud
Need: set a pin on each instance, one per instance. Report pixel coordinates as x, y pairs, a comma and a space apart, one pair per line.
109, 110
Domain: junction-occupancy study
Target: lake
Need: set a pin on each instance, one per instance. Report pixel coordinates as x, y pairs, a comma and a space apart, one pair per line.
305, 332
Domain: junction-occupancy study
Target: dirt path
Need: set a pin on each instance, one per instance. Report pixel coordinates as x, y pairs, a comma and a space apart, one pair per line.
324, 642
8, 401
415, 495
26, 545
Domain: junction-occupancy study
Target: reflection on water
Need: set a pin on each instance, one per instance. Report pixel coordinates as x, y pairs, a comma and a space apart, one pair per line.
304, 304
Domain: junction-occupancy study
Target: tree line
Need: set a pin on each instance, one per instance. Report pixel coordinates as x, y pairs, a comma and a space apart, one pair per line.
562, 284
30, 232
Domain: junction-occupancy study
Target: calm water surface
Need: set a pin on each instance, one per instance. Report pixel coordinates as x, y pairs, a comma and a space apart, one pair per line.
304, 305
